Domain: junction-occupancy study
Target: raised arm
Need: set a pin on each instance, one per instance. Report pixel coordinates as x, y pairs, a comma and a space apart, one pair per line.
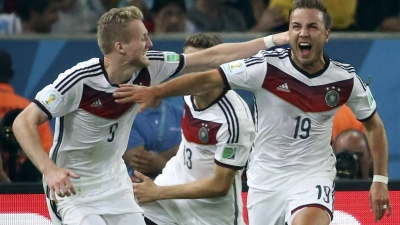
183, 85
211, 58
379, 197
215, 186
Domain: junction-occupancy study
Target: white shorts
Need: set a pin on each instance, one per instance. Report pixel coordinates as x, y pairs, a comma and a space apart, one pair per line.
77, 209
156, 213
278, 206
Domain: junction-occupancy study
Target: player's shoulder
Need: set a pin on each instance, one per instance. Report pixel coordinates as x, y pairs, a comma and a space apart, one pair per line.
343, 67
92, 65
276, 53
166, 56
89, 69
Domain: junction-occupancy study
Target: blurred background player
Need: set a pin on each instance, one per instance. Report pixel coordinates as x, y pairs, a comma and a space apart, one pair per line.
171, 16
345, 119
31, 16
9, 102
217, 131
154, 138
354, 160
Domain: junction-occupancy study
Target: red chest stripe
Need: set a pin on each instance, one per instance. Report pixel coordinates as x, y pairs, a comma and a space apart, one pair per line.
307, 98
102, 104
191, 128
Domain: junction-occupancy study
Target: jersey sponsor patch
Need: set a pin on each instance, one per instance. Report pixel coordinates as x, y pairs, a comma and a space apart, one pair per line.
172, 57
234, 67
229, 152
50, 99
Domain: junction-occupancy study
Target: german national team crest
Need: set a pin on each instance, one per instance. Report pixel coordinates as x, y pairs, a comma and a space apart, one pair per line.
332, 97
203, 134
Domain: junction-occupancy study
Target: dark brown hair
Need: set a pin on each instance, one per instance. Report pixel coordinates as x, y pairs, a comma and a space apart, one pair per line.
202, 40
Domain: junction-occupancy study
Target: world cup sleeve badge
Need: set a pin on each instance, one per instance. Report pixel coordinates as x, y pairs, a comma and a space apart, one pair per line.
229, 152
50, 99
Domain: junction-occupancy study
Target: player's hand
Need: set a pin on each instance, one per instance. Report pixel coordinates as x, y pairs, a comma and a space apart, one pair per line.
57, 179
379, 200
281, 38
145, 162
129, 93
146, 191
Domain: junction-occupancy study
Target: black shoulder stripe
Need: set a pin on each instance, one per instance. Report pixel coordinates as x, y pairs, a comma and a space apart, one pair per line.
77, 73
346, 67
231, 118
254, 63
274, 53
362, 83
71, 79
80, 78
155, 55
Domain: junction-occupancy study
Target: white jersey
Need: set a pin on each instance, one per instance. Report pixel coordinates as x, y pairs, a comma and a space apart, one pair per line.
294, 112
92, 131
222, 134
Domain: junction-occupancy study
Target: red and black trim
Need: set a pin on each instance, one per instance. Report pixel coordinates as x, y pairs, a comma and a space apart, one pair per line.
315, 206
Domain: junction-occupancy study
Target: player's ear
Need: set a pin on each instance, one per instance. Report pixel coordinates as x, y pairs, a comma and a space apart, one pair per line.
327, 34
119, 47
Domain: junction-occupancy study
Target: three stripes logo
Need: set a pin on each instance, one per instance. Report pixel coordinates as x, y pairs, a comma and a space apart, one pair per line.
284, 87
96, 104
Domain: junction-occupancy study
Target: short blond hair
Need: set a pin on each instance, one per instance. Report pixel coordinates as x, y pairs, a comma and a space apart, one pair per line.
113, 25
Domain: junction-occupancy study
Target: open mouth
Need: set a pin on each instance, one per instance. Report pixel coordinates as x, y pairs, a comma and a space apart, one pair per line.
305, 48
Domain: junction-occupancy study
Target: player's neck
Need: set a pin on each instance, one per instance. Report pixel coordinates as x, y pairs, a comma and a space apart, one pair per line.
118, 72
204, 100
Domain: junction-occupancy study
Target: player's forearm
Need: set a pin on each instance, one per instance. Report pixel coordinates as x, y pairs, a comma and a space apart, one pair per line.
377, 141
27, 134
188, 84
205, 188
233, 51
215, 56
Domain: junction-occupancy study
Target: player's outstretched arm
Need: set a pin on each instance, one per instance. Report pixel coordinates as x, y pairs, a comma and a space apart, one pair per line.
215, 56
379, 196
25, 128
183, 85
216, 186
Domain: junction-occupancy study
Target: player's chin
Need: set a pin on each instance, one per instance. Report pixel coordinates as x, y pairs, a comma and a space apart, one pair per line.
145, 61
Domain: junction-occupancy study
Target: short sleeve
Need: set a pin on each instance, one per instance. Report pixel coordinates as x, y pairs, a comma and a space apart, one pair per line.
235, 154
361, 101
247, 74
56, 103
164, 65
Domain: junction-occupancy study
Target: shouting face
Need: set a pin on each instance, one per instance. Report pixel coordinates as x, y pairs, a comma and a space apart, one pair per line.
308, 35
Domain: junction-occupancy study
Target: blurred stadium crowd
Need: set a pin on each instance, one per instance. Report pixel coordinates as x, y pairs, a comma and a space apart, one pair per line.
191, 16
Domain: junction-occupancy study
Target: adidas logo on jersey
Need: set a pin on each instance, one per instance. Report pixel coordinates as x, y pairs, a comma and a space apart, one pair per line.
284, 87
96, 104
